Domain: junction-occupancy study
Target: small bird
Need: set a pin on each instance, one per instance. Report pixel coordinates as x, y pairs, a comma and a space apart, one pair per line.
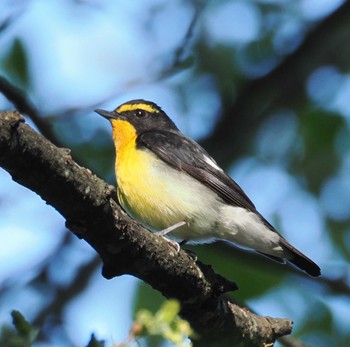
169, 183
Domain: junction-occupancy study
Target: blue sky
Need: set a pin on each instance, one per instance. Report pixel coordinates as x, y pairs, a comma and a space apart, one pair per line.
82, 57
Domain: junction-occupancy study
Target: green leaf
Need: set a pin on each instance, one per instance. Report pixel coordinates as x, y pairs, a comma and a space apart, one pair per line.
16, 64
23, 335
168, 311
94, 342
146, 298
24, 329
164, 323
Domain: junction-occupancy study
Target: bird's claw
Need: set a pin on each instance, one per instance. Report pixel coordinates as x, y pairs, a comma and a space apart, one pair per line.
173, 244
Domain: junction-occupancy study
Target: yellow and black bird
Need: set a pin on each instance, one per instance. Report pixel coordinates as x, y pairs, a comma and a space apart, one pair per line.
168, 182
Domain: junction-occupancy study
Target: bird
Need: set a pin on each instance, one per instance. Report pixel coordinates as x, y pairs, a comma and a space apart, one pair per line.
170, 184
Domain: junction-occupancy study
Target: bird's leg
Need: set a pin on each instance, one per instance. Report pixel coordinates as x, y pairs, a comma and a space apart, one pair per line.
170, 229
167, 231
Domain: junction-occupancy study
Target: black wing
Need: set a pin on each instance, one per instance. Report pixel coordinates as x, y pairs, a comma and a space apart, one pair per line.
184, 154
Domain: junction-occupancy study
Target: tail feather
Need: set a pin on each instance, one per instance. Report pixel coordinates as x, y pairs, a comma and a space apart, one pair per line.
274, 258
291, 254
300, 260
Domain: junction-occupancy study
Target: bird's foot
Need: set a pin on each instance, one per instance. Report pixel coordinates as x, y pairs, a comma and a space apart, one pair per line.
172, 243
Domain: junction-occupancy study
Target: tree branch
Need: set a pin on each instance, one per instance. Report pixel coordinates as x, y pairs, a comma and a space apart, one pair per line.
22, 104
91, 212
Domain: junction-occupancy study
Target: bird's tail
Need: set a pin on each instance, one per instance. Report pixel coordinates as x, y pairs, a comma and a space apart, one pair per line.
299, 259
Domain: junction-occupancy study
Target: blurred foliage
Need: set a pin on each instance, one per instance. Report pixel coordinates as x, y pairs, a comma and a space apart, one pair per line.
227, 261
94, 342
320, 161
164, 323
23, 335
147, 298
280, 114
15, 63
339, 234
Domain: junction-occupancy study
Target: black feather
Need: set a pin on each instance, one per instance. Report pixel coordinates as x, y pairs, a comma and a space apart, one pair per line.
184, 154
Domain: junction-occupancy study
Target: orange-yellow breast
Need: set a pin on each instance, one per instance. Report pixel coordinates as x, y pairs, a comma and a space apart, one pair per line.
157, 195
142, 189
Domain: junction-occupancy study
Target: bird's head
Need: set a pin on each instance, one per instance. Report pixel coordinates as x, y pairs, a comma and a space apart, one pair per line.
142, 115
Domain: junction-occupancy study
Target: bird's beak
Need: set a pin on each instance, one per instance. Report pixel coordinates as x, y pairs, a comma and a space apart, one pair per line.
107, 114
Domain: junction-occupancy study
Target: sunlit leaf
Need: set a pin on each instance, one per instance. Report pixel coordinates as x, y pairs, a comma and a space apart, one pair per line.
164, 323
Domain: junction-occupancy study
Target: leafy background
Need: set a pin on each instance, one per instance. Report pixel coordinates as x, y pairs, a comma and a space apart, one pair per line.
264, 85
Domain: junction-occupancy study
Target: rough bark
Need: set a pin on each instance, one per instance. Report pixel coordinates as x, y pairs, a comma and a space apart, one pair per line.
89, 207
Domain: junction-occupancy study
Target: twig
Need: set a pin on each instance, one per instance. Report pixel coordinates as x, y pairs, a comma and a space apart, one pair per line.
90, 210
63, 295
168, 71
179, 53
22, 104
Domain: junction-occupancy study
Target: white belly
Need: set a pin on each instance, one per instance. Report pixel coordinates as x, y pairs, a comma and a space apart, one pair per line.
159, 196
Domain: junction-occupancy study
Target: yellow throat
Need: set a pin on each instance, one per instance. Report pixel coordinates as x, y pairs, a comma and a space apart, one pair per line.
124, 136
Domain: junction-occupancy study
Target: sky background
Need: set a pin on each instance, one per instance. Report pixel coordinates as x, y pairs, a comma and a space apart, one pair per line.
87, 54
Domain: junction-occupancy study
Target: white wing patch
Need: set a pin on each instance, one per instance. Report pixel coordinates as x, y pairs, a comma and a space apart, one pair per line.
212, 162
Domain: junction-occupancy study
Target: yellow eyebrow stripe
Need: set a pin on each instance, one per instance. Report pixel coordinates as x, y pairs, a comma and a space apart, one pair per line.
133, 107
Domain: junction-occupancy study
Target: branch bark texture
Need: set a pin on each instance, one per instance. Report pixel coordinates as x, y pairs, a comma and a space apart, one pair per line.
89, 207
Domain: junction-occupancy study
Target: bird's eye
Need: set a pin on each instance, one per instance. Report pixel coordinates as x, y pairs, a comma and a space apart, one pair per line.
140, 113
